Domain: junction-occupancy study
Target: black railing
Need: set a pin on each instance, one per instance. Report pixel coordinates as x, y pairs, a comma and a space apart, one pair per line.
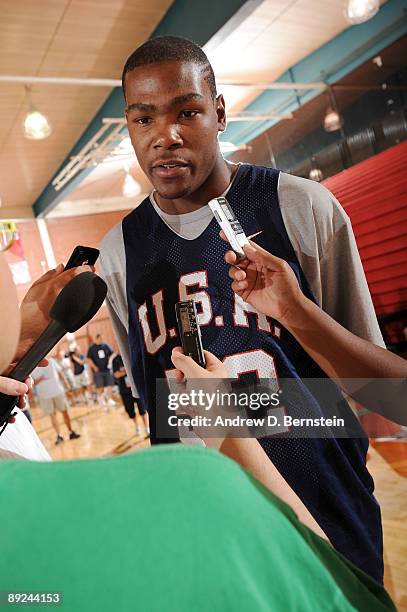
356, 147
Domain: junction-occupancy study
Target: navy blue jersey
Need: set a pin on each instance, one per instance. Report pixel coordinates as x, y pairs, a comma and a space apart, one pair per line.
329, 474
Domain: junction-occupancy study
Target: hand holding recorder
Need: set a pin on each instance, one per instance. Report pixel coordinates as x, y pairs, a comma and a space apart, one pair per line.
266, 282
262, 280
269, 284
191, 369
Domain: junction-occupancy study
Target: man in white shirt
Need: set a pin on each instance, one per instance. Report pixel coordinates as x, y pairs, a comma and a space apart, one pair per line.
50, 381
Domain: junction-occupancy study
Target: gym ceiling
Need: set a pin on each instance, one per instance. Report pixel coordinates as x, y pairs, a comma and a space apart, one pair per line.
64, 59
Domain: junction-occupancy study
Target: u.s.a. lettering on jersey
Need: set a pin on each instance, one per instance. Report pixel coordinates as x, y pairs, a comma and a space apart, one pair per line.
257, 361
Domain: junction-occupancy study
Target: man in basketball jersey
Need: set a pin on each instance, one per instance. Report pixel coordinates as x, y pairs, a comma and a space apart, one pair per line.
168, 249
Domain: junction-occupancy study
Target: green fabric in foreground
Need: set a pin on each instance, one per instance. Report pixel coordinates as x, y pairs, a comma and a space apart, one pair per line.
172, 528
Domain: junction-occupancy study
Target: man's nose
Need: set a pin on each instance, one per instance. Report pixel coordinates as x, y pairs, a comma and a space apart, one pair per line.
168, 137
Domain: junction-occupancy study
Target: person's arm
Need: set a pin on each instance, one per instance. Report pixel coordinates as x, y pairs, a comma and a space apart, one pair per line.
340, 353
245, 451
78, 359
63, 379
91, 364
119, 371
111, 355
322, 236
112, 267
268, 283
250, 455
61, 374
121, 334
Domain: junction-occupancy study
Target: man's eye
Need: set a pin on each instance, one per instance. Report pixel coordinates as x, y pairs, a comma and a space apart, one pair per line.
142, 120
189, 113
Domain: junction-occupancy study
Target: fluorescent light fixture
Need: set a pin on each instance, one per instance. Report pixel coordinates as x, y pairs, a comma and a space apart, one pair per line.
227, 147
359, 11
36, 126
230, 147
247, 116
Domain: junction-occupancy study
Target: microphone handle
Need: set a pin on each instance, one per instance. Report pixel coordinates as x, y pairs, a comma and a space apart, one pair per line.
41, 347
7, 405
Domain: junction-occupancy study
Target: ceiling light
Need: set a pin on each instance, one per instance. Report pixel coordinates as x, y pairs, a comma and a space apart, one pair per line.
131, 187
332, 120
359, 11
316, 174
36, 126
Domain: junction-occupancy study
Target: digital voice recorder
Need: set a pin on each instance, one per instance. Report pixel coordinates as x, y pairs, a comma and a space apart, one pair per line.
189, 331
232, 229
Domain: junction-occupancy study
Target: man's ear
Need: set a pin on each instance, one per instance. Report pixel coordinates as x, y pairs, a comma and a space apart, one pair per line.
221, 112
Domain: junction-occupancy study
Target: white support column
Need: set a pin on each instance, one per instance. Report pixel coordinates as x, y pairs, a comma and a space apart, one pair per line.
46, 243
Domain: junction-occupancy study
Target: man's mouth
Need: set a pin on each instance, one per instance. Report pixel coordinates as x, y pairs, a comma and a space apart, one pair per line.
169, 165
170, 169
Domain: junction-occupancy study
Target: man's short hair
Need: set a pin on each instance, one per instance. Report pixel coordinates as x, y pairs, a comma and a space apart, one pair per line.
170, 49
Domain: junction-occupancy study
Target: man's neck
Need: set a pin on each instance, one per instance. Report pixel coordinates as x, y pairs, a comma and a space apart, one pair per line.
214, 186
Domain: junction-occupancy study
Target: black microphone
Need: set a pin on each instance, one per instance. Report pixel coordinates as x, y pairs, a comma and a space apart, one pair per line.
75, 305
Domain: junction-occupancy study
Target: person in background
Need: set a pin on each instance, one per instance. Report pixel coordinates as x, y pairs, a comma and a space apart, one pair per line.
50, 381
66, 365
78, 360
99, 354
129, 402
26, 409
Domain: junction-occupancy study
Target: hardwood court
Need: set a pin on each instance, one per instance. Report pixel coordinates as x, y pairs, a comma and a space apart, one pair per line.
388, 466
102, 433
114, 433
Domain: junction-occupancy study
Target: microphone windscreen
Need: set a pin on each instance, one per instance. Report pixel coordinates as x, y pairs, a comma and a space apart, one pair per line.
79, 301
